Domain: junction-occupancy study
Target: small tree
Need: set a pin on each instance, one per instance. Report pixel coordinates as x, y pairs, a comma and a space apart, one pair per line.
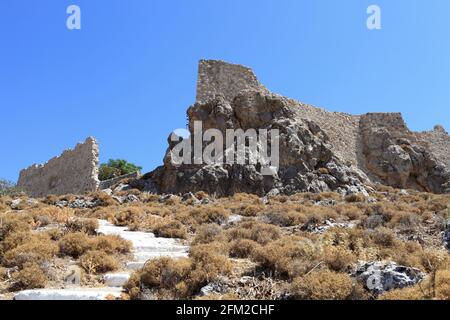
116, 168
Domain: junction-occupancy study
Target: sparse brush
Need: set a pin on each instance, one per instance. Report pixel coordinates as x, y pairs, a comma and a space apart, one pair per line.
254, 230
21, 248
322, 285
128, 215
207, 234
288, 257
111, 244
98, 262
243, 248
88, 226
30, 277
170, 229
75, 244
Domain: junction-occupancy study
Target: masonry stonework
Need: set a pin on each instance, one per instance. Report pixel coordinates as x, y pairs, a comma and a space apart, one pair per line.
218, 77
73, 172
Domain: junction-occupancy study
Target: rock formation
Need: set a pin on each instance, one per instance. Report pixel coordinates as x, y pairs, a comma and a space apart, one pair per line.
319, 150
74, 171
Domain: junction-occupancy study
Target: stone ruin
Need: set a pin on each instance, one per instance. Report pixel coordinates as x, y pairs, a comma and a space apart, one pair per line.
73, 172
319, 150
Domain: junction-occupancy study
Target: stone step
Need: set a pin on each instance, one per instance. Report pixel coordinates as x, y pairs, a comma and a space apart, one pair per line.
116, 279
69, 294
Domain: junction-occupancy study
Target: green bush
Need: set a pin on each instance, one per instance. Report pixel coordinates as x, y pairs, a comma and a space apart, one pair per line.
116, 168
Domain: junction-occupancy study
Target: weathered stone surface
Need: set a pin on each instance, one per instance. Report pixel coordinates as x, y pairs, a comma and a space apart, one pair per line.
74, 171
319, 150
380, 277
394, 155
224, 79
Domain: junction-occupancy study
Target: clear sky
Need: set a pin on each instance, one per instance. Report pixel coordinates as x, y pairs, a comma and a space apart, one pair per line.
128, 76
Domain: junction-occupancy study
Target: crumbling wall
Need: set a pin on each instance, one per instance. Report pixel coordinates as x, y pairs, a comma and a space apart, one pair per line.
438, 142
218, 77
74, 171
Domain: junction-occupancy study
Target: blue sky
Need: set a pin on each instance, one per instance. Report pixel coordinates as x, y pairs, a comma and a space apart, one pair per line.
128, 76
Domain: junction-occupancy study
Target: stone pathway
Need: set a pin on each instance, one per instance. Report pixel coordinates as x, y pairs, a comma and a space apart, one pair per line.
145, 247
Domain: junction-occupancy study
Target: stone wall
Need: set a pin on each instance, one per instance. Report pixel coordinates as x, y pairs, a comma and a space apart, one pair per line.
218, 77
73, 172
438, 142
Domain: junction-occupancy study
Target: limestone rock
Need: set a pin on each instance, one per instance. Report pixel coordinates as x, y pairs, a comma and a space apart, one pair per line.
380, 277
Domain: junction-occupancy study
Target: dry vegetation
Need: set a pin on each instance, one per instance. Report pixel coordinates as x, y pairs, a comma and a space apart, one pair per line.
272, 241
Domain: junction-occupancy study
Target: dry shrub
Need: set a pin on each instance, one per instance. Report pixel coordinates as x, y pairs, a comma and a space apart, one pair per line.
55, 234
406, 221
338, 259
10, 223
210, 214
285, 219
111, 244
207, 263
243, 248
170, 229
98, 262
218, 297
322, 285
288, 257
163, 274
244, 197
251, 210
78, 243
53, 214
21, 248
355, 197
201, 195
75, 244
128, 215
180, 278
30, 277
103, 199
3, 273
384, 237
148, 197
207, 234
410, 293
88, 226
351, 211
253, 230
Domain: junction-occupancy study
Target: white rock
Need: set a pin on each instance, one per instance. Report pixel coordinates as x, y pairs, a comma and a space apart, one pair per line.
116, 279
69, 294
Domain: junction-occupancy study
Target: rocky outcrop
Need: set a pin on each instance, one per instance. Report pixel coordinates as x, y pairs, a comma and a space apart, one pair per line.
318, 150
380, 277
394, 155
74, 171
